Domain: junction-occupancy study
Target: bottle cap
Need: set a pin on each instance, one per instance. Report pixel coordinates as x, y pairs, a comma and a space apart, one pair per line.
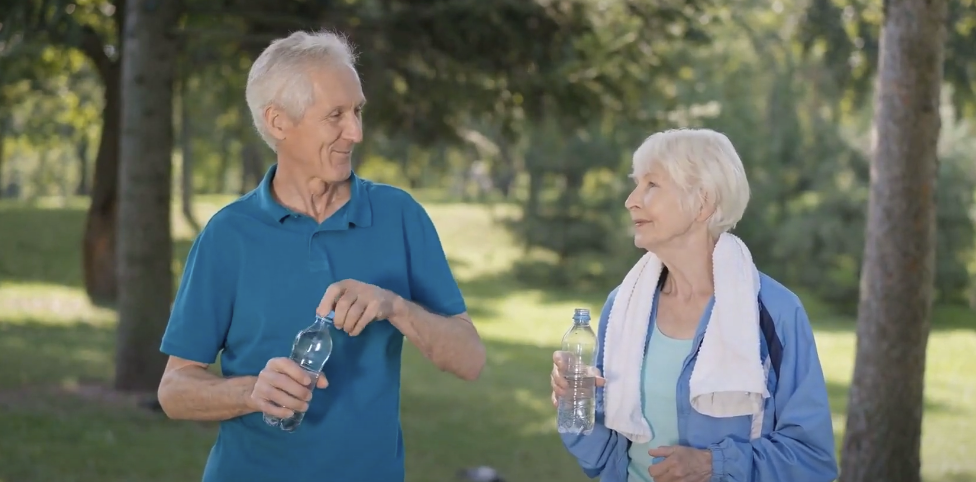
328, 318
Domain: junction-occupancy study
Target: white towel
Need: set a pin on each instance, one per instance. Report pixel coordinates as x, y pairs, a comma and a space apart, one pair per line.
729, 378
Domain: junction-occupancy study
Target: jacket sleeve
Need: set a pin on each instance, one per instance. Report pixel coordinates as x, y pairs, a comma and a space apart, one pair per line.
593, 451
800, 447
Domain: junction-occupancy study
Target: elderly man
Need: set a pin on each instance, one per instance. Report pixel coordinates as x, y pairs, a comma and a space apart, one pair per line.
312, 237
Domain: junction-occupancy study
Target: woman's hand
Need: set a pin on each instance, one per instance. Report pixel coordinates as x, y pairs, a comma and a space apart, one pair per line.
558, 376
681, 464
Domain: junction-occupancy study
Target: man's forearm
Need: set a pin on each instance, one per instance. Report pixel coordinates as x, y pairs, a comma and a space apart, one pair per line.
193, 393
451, 343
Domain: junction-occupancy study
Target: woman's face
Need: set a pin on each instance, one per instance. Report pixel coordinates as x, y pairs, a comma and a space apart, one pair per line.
659, 219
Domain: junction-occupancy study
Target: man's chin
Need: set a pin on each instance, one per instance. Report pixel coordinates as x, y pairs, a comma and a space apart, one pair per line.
337, 171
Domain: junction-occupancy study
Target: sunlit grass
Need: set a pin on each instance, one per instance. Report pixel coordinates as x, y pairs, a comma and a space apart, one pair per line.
56, 350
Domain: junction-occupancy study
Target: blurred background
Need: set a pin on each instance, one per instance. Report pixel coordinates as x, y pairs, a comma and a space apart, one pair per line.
513, 121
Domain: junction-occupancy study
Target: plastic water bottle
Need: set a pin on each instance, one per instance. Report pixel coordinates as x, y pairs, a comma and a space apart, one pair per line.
311, 350
576, 412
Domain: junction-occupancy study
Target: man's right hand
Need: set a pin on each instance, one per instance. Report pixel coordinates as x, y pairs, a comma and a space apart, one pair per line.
558, 377
282, 388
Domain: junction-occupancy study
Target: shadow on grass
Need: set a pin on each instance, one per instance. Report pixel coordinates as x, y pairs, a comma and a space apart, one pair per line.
953, 477
485, 290
944, 318
41, 245
838, 394
504, 419
44, 246
34, 353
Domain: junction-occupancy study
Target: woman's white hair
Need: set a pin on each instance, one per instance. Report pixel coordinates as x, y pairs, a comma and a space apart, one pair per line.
704, 164
279, 76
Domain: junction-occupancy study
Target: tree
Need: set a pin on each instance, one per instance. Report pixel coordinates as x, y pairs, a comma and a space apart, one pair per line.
883, 435
92, 28
145, 245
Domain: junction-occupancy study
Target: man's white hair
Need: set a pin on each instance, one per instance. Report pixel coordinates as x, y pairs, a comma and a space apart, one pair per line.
704, 164
279, 76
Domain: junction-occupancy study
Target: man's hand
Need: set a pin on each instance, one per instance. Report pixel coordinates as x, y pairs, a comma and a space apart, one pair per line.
356, 304
681, 464
283, 388
558, 376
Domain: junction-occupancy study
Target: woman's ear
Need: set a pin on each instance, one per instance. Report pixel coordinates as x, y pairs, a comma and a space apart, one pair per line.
706, 207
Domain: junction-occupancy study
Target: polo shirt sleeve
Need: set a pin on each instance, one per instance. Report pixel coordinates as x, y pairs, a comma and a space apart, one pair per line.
432, 284
204, 302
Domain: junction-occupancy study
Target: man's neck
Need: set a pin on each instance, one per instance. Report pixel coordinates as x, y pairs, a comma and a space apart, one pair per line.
308, 194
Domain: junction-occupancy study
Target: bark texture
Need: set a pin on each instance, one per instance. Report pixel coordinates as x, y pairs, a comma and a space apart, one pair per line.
883, 434
145, 243
99, 255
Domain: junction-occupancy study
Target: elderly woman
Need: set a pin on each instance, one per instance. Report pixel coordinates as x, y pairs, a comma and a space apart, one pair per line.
709, 368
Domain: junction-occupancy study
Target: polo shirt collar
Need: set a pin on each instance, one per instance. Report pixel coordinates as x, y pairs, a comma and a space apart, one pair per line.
357, 211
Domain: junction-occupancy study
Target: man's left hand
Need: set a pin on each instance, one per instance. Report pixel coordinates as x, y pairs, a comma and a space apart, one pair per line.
356, 304
681, 464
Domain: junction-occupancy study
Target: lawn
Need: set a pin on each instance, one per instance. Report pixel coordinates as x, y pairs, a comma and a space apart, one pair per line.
58, 423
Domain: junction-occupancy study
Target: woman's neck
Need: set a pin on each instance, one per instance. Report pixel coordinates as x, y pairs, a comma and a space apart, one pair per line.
689, 270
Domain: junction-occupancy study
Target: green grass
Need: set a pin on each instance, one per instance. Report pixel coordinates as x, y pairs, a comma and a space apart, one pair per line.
57, 422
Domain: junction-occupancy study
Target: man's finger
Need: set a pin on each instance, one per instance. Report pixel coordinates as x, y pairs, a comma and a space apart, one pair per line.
600, 381
342, 319
283, 399
354, 318
370, 313
286, 384
290, 368
274, 410
332, 294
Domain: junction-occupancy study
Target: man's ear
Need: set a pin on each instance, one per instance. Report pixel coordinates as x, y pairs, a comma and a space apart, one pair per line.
277, 122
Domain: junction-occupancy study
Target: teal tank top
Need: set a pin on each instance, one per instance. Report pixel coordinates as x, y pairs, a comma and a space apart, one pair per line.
663, 361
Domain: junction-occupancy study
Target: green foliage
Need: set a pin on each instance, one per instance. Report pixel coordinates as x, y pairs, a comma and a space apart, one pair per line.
845, 34
806, 154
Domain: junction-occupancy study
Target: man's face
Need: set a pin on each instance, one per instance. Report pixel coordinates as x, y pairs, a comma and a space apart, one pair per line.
322, 141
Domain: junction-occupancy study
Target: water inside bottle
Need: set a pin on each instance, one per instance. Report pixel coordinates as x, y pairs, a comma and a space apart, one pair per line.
576, 409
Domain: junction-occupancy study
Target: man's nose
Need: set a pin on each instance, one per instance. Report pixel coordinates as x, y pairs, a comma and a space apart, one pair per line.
353, 130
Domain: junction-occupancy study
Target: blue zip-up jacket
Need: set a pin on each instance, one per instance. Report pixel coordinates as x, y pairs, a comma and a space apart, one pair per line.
797, 438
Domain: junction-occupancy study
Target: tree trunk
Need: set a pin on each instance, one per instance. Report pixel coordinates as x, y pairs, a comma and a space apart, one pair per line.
145, 177
98, 248
3, 138
883, 434
98, 244
83, 187
186, 168
252, 169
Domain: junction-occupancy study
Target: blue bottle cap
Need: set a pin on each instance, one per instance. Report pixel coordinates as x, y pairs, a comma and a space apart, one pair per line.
328, 318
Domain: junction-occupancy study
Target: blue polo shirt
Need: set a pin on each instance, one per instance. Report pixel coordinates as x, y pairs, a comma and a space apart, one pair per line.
253, 279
